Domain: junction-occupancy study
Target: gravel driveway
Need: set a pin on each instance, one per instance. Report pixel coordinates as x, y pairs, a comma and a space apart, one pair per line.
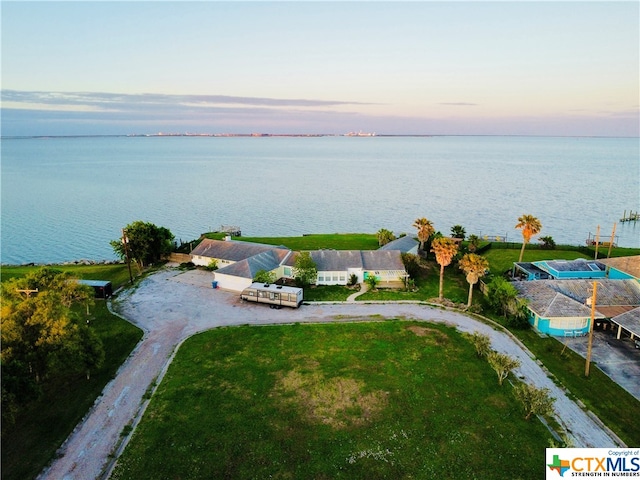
171, 305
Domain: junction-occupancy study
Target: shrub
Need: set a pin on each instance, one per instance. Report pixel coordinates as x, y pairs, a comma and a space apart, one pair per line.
536, 401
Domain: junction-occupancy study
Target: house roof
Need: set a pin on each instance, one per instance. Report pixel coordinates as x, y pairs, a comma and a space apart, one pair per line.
629, 320
382, 260
569, 298
548, 303
231, 250
336, 260
404, 244
577, 265
248, 267
609, 292
629, 265
342, 260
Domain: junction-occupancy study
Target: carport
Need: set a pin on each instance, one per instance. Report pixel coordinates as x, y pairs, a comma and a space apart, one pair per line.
628, 322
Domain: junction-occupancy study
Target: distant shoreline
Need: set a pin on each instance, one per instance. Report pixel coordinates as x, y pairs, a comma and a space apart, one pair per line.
296, 135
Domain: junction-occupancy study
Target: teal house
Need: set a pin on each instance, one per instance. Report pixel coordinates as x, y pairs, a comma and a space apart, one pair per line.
559, 293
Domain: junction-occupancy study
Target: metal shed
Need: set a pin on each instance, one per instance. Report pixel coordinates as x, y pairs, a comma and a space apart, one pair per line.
101, 288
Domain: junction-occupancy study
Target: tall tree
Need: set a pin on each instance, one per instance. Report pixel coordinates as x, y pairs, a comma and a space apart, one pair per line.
475, 267
43, 336
144, 242
445, 249
425, 230
530, 226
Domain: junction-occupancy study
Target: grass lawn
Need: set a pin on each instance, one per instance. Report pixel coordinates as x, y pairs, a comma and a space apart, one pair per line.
44, 424
371, 400
117, 274
616, 407
501, 260
336, 241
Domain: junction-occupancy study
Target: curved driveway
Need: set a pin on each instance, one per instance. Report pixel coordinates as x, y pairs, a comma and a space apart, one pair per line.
171, 305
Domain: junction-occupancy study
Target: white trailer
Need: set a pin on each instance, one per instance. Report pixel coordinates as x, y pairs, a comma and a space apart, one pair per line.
274, 295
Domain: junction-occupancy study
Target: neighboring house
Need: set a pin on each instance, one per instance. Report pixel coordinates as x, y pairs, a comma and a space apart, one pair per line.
560, 304
406, 244
227, 252
560, 269
623, 267
552, 312
335, 267
240, 275
238, 262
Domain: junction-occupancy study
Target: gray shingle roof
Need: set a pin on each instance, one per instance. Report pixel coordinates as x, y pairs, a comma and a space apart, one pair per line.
232, 250
629, 320
336, 260
248, 267
404, 244
548, 303
630, 265
569, 297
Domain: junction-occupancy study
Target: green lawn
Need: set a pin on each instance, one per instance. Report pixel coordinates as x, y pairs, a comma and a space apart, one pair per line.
371, 400
337, 241
43, 424
616, 407
117, 274
501, 260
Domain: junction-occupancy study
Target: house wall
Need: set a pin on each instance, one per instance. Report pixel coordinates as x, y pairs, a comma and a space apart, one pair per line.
560, 326
614, 274
231, 282
387, 278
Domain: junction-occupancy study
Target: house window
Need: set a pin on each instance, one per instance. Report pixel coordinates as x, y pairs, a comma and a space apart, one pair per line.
287, 271
320, 278
335, 278
342, 278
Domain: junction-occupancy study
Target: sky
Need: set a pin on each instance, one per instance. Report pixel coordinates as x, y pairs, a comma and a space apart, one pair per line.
421, 68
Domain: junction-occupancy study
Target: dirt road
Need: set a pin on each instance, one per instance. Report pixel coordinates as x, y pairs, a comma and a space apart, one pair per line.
171, 305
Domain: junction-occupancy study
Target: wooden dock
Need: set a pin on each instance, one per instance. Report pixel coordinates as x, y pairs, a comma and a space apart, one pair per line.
632, 217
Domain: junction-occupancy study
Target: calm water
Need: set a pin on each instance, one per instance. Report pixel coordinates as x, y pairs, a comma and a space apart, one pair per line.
65, 198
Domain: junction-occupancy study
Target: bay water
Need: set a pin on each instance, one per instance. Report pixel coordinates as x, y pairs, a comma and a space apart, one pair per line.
65, 198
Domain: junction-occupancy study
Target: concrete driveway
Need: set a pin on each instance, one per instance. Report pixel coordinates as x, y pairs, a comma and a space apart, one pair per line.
171, 305
619, 359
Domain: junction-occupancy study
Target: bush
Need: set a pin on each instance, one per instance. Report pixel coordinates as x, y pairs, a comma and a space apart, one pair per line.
547, 243
536, 401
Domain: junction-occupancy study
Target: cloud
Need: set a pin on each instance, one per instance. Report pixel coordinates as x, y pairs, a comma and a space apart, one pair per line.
459, 104
127, 101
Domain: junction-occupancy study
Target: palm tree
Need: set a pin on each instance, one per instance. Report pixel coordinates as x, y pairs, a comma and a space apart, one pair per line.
385, 236
445, 249
425, 230
475, 267
530, 226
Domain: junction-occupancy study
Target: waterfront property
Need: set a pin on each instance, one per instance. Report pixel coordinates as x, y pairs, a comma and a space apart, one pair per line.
335, 267
559, 295
238, 263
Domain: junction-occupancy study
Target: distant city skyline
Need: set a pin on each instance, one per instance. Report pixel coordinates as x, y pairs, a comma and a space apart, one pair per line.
422, 68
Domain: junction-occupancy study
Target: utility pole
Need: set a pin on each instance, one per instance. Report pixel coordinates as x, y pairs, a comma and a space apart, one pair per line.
125, 242
28, 292
597, 241
613, 233
593, 314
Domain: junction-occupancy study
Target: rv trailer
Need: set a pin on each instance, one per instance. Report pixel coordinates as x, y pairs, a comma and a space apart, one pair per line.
274, 295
